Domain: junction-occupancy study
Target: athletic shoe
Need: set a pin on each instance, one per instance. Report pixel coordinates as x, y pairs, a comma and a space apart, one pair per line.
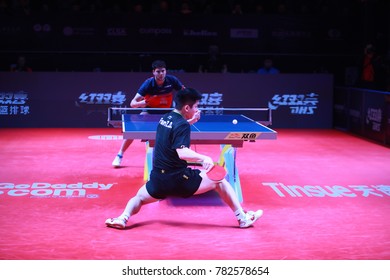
117, 161
116, 223
250, 218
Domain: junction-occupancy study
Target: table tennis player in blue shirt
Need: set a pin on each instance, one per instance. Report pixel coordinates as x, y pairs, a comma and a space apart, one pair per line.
155, 92
170, 175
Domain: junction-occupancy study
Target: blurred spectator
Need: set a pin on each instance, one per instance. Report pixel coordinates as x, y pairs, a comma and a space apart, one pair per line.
4, 7
381, 71
23, 7
162, 7
76, 7
213, 62
346, 7
185, 8
374, 68
224, 68
324, 8
368, 70
282, 8
387, 71
20, 65
259, 9
138, 8
304, 8
237, 9
209, 8
268, 68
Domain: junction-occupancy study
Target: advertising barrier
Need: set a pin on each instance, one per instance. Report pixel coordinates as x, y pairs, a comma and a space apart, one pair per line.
364, 112
42, 99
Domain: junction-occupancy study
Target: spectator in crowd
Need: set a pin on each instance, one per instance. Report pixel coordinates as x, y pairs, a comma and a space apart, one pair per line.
4, 7
237, 9
387, 71
138, 8
282, 8
259, 9
368, 67
162, 7
214, 63
268, 67
224, 68
185, 7
20, 65
23, 7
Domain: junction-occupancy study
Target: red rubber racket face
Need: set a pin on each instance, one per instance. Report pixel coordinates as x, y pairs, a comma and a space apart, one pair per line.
216, 173
159, 101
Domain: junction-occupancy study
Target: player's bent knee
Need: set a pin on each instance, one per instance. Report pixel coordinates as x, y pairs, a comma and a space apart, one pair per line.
205, 186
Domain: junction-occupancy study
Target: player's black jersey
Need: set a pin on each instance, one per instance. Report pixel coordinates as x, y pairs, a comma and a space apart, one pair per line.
173, 132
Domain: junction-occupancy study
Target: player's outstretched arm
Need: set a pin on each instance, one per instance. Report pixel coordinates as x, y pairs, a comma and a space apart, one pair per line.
138, 101
189, 155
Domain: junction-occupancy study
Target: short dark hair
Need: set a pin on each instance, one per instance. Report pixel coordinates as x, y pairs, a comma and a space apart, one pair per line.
158, 64
187, 96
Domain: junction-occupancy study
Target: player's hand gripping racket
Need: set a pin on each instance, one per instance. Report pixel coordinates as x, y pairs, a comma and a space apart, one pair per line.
215, 173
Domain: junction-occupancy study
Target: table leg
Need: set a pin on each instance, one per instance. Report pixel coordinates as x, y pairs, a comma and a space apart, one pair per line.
148, 161
228, 154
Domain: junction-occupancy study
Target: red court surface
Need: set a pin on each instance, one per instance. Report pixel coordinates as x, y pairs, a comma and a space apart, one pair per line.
325, 195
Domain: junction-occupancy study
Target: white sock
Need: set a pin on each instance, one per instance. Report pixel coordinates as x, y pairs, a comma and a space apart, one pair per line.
239, 214
124, 217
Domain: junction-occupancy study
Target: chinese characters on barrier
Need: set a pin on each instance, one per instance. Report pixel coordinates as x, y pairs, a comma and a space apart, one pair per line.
14, 103
116, 99
300, 104
211, 103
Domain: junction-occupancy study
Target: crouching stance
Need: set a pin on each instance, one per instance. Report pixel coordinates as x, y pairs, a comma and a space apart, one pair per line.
170, 176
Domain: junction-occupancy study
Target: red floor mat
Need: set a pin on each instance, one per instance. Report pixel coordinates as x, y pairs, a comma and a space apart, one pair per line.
325, 195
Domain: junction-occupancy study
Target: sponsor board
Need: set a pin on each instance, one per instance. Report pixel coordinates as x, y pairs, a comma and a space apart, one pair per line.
299, 104
242, 136
57, 190
353, 191
14, 103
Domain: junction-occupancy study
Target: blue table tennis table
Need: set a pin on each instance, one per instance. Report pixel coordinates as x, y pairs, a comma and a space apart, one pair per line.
210, 129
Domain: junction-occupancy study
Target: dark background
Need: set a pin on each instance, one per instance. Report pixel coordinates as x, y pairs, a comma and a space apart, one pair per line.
324, 37
301, 36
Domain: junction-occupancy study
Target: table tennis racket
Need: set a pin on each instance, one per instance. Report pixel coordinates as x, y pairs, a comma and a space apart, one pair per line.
215, 173
159, 101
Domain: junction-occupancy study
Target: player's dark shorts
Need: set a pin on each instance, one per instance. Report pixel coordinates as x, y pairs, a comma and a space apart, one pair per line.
183, 183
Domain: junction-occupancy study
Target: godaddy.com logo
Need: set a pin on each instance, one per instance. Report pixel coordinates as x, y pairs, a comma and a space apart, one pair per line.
47, 190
